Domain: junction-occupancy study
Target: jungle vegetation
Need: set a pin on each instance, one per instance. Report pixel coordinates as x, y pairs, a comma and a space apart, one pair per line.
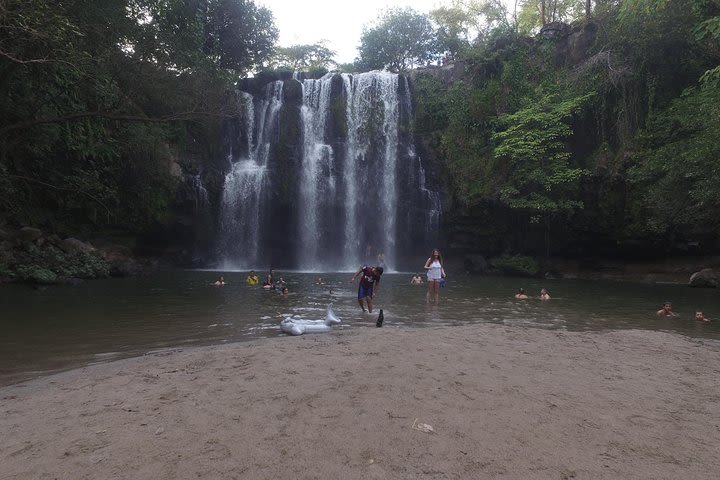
606, 146
99, 99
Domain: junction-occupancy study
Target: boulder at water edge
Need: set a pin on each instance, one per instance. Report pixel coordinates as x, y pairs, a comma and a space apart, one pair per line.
706, 277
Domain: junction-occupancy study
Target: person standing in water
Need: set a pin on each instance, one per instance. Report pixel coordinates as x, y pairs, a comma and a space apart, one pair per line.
544, 294
435, 273
370, 277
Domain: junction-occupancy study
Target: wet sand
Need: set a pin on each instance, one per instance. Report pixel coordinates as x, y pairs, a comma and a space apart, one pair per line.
481, 401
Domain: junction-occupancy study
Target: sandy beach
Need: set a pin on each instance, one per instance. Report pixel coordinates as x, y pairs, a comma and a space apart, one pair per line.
481, 401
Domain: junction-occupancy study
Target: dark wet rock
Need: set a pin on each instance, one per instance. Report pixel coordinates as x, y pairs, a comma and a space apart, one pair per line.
707, 278
29, 234
555, 30
73, 245
121, 262
292, 93
475, 263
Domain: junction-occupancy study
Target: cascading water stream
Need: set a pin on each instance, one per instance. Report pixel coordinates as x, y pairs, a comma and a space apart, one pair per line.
318, 186
240, 214
370, 171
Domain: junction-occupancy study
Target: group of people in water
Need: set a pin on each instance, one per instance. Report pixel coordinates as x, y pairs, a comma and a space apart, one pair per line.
269, 283
521, 295
667, 311
370, 277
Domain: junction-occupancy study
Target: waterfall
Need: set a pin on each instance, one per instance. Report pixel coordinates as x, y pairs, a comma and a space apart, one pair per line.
318, 183
246, 184
330, 180
370, 173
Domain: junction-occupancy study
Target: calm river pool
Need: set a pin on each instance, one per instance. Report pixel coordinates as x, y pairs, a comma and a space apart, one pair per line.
61, 327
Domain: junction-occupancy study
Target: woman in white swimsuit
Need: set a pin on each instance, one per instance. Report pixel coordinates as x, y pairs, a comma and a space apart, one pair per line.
435, 273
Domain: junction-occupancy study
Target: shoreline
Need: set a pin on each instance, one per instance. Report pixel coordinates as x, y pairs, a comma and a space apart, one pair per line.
502, 401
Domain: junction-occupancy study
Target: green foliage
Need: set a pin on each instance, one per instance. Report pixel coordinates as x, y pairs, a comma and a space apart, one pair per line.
93, 92
50, 264
709, 31
304, 58
536, 159
675, 177
431, 108
454, 25
531, 123
530, 14
467, 141
399, 40
35, 274
516, 265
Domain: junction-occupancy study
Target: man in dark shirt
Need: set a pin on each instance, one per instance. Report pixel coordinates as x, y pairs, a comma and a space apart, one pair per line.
369, 281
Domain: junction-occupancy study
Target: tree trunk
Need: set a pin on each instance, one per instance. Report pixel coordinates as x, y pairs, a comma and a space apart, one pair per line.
588, 10
542, 12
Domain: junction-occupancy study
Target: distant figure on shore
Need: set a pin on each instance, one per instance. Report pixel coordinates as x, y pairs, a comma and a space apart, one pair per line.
700, 316
416, 280
544, 294
369, 279
521, 295
252, 278
220, 281
435, 273
666, 310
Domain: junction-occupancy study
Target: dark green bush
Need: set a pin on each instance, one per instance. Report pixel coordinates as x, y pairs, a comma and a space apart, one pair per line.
516, 265
35, 274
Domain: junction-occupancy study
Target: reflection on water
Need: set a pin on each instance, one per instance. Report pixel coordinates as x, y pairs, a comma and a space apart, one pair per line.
66, 326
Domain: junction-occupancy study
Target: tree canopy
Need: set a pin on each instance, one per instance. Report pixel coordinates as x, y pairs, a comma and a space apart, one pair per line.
99, 97
304, 58
400, 39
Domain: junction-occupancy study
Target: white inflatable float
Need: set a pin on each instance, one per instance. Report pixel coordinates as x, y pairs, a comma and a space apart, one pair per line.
299, 325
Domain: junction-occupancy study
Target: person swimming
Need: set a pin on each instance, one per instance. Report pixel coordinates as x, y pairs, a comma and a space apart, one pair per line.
521, 295
666, 310
252, 278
